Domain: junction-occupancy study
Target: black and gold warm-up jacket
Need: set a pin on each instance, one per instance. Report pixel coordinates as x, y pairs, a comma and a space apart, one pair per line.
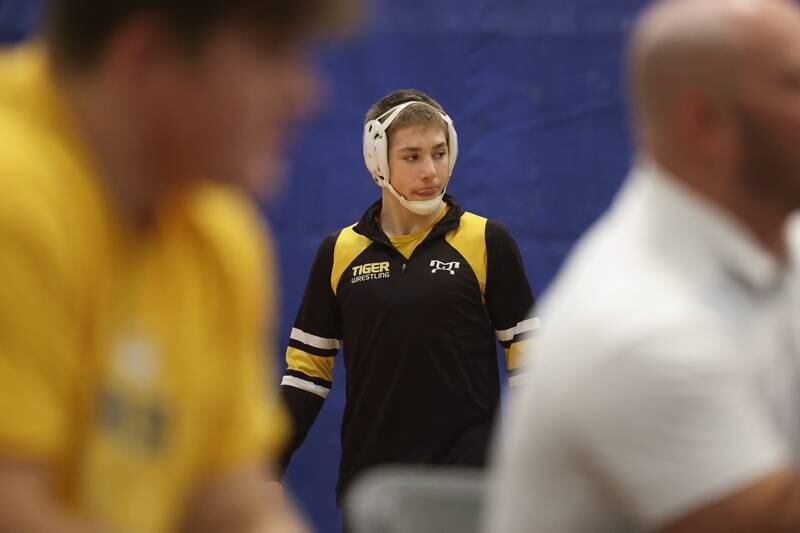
418, 336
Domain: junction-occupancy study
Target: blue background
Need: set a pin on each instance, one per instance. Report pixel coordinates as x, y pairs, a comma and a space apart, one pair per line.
535, 89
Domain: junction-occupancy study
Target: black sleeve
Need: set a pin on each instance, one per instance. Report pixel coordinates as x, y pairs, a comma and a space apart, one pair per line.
312, 347
509, 299
303, 408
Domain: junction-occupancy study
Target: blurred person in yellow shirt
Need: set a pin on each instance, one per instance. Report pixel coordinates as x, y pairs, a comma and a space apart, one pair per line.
138, 282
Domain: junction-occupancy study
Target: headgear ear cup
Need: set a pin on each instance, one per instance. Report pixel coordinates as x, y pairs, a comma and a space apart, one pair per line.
373, 134
376, 147
452, 142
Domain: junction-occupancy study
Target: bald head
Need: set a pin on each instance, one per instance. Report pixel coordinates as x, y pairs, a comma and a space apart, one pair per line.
700, 47
715, 87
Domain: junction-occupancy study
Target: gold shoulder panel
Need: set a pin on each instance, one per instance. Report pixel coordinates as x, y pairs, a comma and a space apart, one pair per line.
470, 241
349, 245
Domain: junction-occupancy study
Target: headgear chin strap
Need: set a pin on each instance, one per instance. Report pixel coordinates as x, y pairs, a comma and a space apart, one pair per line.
376, 156
419, 207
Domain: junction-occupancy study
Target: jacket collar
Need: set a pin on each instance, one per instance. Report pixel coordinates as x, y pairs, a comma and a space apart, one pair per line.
369, 226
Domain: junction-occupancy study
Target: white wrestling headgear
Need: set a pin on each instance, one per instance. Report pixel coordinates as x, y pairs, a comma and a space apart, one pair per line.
376, 156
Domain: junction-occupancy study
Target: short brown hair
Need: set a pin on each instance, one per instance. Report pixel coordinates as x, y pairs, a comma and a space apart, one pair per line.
413, 115
79, 30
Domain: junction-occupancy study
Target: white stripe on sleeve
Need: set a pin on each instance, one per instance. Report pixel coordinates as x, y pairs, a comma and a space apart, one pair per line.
302, 384
312, 340
506, 335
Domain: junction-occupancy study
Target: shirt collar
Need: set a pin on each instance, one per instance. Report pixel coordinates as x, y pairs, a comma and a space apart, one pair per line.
702, 224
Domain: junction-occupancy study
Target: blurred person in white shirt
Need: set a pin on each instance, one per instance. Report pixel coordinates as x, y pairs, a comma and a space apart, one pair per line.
665, 389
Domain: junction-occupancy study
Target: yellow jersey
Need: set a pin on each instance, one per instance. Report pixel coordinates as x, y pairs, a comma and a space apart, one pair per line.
131, 361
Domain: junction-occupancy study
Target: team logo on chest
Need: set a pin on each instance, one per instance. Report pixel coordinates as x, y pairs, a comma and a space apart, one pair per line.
369, 271
439, 266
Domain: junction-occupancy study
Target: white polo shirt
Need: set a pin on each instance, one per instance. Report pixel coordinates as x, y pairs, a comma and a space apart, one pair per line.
665, 375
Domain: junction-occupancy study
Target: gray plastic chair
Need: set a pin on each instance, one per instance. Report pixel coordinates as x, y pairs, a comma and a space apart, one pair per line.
415, 500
